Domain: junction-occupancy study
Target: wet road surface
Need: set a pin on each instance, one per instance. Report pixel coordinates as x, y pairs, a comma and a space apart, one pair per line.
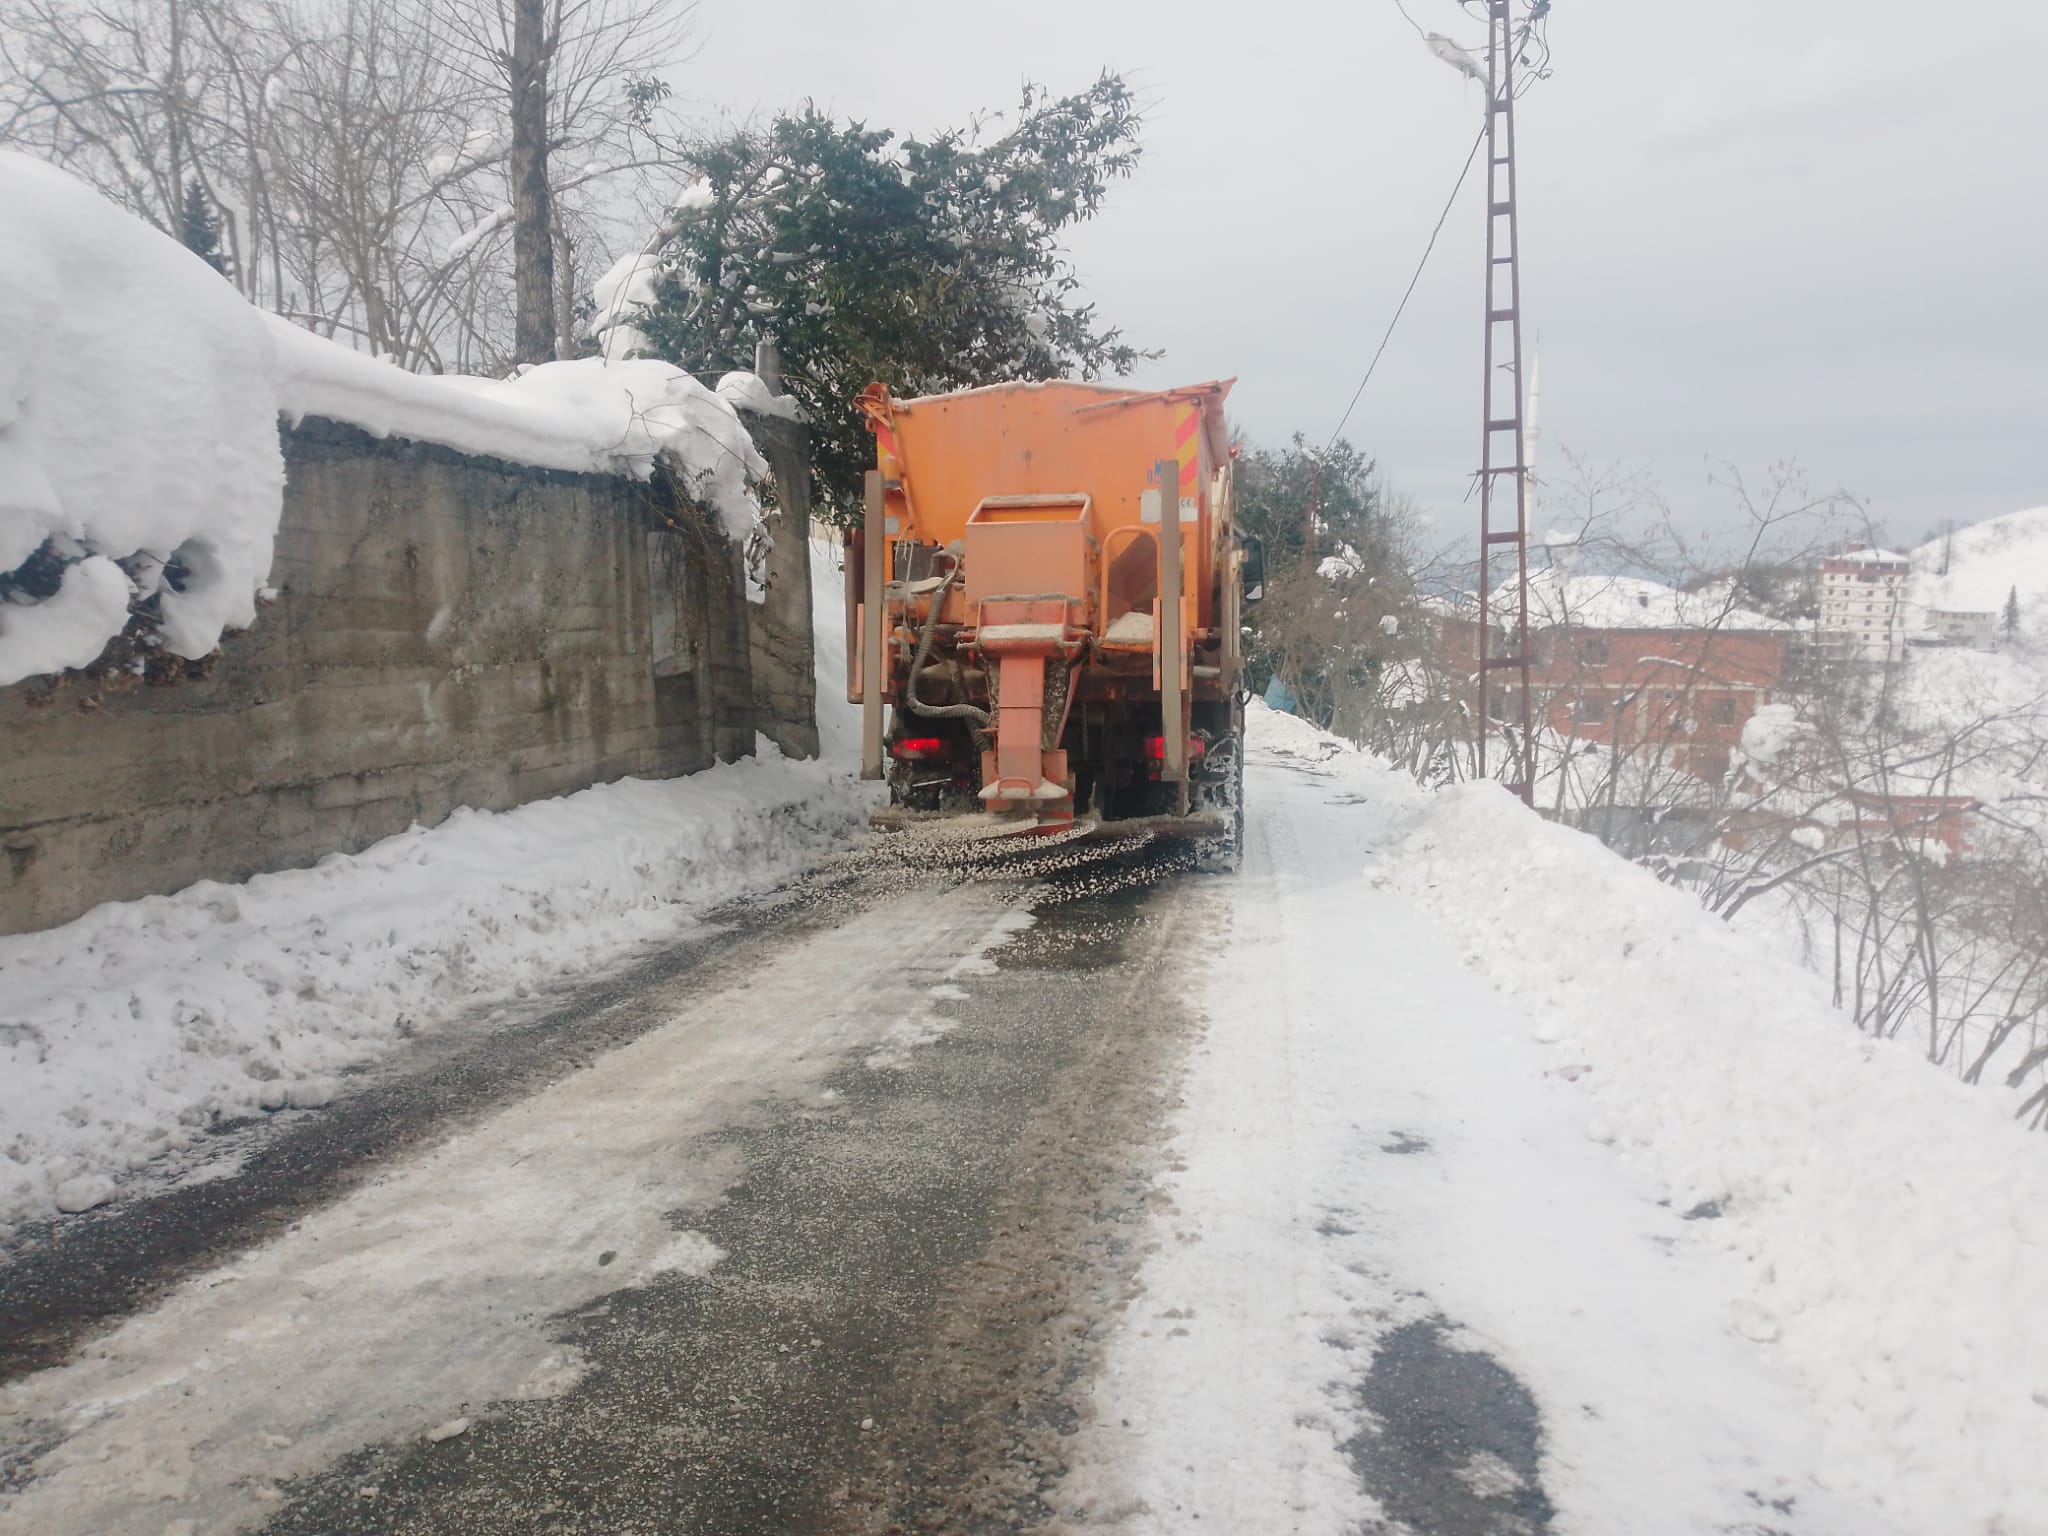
889, 1343
919, 1251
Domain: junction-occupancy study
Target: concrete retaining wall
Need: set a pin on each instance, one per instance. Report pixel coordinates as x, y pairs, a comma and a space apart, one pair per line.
449, 631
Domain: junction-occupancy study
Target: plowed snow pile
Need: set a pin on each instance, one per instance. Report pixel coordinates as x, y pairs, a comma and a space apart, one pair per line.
128, 1032
1469, 1075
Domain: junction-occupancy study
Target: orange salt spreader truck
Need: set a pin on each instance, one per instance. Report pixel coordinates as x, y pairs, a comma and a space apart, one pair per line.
1046, 594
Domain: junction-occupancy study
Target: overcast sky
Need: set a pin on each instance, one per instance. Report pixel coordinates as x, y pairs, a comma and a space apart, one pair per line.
1752, 230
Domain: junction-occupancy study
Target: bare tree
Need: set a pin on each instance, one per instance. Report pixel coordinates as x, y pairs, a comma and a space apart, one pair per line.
1880, 811
533, 231
122, 92
358, 152
582, 88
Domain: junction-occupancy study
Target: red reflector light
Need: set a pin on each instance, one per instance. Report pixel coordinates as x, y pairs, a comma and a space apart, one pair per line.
921, 746
1155, 748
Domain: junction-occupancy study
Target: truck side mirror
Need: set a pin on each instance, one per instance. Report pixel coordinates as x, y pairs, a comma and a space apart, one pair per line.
1253, 571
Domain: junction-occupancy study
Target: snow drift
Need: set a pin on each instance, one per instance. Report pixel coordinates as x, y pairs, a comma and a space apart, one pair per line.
1891, 1225
139, 399
1756, 1271
587, 416
138, 430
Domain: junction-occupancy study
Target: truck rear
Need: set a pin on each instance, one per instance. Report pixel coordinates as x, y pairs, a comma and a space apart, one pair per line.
1046, 595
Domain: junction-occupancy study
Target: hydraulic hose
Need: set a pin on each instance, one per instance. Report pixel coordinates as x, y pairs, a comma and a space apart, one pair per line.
972, 712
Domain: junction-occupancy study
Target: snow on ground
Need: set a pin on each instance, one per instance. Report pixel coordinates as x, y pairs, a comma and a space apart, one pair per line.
137, 421
1987, 563
1466, 1065
139, 397
1977, 720
125, 1032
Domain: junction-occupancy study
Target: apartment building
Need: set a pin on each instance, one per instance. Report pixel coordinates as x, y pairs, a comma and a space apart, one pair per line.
1863, 605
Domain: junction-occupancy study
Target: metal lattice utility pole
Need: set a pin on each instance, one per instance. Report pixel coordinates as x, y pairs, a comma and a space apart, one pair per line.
1503, 452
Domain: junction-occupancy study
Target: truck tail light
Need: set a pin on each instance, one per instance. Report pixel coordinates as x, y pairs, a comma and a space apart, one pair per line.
1155, 748
919, 748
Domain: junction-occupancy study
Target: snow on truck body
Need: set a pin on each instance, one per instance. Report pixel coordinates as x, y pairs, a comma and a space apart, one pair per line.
1048, 642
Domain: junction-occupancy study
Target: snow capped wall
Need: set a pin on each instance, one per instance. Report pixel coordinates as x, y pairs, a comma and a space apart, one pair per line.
588, 416
138, 430
446, 631
139, 397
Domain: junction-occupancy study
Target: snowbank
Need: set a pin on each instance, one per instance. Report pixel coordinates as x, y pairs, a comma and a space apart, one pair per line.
1837, 1306
1368, 1144
589, 416
125, 1032
138, 429
1894, 1235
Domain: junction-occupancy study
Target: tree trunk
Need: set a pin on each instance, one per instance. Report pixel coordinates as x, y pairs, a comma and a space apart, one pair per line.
533, 248
567, 283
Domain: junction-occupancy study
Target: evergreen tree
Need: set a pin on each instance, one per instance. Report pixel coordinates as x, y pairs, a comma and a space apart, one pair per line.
1276, 490
1320, 629
929, 265
199, 228
2011, 624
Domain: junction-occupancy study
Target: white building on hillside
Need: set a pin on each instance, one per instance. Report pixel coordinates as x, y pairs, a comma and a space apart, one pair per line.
1863, 604
1956, 626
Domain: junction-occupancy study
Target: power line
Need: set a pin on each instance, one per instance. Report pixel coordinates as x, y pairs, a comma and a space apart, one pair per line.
1449, 202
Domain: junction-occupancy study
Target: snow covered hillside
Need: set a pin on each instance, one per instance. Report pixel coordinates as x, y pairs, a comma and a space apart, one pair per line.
1480, 1102
1987, 563
141, 478
1994, 697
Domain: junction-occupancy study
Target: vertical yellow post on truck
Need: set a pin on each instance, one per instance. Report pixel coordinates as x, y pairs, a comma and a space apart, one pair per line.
1044, 608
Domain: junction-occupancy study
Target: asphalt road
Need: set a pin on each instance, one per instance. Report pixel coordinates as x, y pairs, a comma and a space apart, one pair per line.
923, 1235
819, 1222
